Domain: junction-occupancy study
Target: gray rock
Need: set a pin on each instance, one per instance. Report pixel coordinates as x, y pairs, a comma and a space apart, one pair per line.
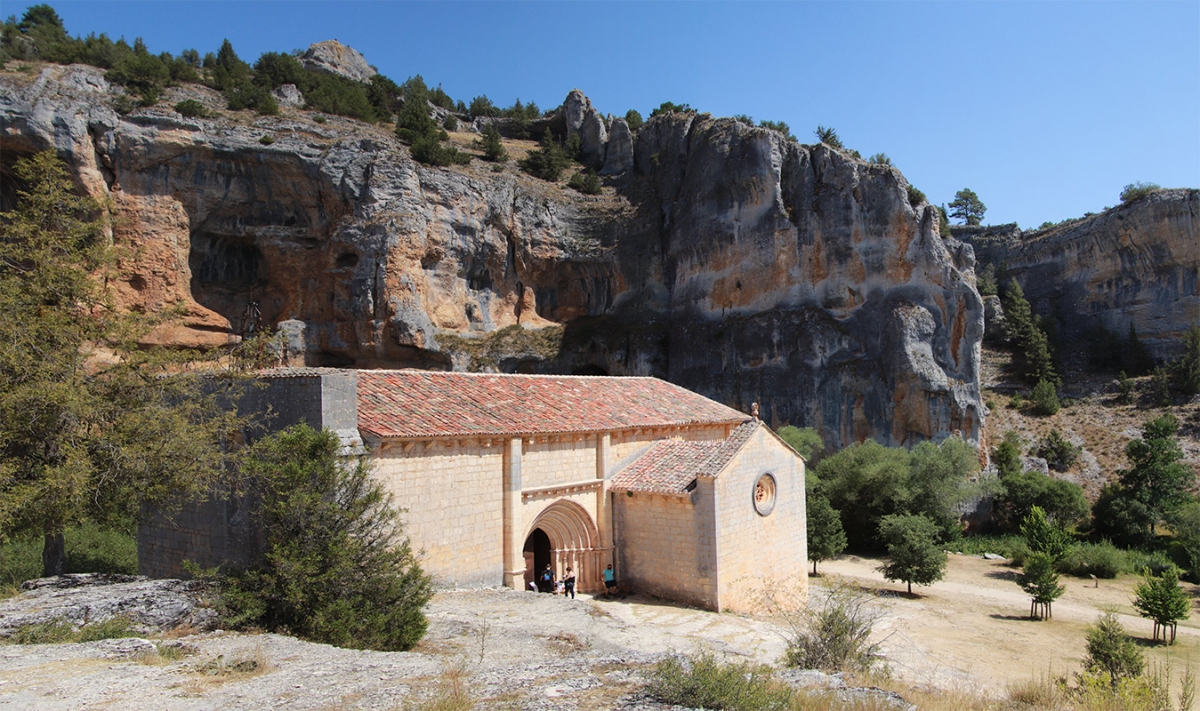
575, 107
618, 157
1036, 464
993, 556
289, 95
594, 138
993, 319
151, 605
336, 58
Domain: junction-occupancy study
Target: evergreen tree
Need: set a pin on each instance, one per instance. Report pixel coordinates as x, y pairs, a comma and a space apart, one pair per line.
1110, 651
1039, 580
826, 539
1136, 357
1007, 455
1027, 337
85, 435
1187, 368
489, 143
1045, 536
634, 118
1157, 477
546, 162
1045, 398
414, 121
967, 206
335, 567
1162, 600
913, 555
829, 137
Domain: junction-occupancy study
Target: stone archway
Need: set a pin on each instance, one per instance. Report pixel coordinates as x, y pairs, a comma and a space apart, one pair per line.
574, 542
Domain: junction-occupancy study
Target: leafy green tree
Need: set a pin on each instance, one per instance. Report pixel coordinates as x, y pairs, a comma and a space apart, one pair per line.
1162, 600
913, 555
1063, 501
826, 539
547, 161
866, 482
939, 480
1157, 476
1121, 518
915, 195
1039, 580
1185, 522
1110, 651
634, 118
829, 137
807, 442
967, 206
84, 435
335, 568
489, 143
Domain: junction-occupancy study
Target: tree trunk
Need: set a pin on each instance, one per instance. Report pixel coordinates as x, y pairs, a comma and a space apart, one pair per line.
54, 555
910, 589
814, 567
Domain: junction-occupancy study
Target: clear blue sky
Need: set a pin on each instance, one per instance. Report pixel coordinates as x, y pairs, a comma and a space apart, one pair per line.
1045, 109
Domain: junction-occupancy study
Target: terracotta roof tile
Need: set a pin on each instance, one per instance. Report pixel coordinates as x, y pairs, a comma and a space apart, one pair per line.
670, 466
417, 403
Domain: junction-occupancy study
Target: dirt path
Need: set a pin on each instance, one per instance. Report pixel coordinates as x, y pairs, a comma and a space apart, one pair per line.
973, 630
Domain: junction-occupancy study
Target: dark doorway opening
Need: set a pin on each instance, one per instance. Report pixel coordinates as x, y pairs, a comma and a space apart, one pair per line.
538, 544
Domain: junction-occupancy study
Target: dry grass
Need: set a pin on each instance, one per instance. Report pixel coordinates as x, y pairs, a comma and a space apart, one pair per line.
217, 671
450, 692
566, 643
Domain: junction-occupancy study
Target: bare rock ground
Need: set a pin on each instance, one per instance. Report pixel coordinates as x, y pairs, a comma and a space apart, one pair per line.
511, 650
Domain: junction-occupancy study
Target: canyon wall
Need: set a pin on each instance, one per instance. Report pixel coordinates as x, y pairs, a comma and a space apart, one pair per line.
719, 256
1133, 264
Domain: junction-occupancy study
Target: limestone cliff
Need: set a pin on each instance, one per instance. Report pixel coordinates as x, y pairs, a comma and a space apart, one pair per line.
721, 257
1133, 264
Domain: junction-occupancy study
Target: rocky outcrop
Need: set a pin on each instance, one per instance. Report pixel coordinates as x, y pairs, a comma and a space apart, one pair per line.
727, 258
1134, 264
336, 58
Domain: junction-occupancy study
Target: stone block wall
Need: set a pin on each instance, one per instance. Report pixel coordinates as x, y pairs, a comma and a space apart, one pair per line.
665, 545
450, 495
219, 530
558, 460
761, 557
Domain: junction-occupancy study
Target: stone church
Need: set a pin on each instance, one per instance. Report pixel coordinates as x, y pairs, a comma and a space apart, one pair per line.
499, 475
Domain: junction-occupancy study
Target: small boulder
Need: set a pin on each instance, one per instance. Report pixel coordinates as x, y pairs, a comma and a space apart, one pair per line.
289, 95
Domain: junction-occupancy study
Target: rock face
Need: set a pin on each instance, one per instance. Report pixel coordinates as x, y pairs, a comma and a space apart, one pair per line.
336, 58
1134, 264
729, 260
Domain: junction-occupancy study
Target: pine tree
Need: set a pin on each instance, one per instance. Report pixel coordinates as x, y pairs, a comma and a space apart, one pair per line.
967, 206
548, 161
1027, 337
1040, 581
1157, 477
1110, 651
489, 143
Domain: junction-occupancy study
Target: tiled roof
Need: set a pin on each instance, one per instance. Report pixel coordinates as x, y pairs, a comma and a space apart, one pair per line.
671, 465
419, 403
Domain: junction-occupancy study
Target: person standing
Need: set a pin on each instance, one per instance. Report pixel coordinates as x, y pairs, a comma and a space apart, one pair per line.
610, 581
547, 580
569, 584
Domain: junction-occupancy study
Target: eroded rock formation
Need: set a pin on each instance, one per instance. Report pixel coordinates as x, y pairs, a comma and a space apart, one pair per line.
722, 257
1133, 264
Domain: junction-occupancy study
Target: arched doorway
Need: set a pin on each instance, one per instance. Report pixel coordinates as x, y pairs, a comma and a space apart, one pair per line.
537, 555
573, 541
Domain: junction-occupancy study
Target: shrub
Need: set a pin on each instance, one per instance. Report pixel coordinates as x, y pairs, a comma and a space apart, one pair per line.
319, 119
586, 182
334, 568
743, 119
1103, 559
834, 634
1057, 451
1138, 190
267, 140
1044, 398
89, 548
670, 107
829, 137
429, 150
191, 109
915, 196
880, 159
1063, 501
780, 126
483, 106
450, 123
704, 682
826, 539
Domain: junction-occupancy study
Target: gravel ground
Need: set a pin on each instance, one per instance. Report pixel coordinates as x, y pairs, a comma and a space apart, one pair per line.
510, 650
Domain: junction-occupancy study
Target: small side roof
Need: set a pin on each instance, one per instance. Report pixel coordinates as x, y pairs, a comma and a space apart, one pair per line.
418, 403
671, 465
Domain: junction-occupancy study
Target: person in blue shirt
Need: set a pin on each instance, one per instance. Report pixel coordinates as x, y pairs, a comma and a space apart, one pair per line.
610, 581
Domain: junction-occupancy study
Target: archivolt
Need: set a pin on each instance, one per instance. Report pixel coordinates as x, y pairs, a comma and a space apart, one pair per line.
568, 526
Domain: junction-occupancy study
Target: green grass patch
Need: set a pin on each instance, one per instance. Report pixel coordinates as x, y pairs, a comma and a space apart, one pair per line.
61, 632
90, 549
705, 682
1010, 546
